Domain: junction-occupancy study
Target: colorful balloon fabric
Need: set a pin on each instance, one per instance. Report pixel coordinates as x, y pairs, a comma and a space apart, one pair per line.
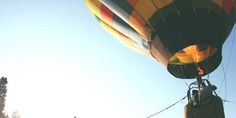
184, 35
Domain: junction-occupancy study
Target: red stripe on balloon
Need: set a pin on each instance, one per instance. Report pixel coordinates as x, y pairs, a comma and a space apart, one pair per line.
228, 6
106, 14
234, 7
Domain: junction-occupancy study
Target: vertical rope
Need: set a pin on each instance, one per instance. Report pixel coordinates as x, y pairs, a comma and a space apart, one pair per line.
223, 81
231, 49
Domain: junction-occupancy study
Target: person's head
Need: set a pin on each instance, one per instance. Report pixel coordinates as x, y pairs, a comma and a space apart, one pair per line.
194, 92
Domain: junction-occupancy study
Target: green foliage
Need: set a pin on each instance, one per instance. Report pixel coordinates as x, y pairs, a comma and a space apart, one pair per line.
3, 91
3, 115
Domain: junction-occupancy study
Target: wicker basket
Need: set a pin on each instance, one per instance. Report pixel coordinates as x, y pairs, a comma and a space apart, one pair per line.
212, 110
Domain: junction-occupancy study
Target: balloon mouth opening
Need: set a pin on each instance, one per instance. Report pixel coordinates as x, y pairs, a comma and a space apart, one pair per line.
192, 54
185, 64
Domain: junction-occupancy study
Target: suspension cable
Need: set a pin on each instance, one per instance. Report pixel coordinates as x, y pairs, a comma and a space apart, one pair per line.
227, 65
208, 77
228, 101
223, 81
167, 107
185, 82
231, 50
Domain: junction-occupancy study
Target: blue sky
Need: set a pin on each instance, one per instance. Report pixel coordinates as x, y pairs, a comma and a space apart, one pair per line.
61, 63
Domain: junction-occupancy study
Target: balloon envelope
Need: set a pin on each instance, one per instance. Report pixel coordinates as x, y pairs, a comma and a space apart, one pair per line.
184, 35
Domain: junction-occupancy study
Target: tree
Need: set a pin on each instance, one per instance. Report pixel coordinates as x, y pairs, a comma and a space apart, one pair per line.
3, 115
3, 91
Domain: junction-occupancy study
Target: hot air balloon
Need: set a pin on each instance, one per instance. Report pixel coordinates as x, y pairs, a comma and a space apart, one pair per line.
186, 36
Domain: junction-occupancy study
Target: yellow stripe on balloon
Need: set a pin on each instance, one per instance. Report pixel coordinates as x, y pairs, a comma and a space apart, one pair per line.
94, 6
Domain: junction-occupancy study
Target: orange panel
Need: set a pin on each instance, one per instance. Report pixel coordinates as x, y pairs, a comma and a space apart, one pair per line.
162, 3
138, 23
218, 2
132, 2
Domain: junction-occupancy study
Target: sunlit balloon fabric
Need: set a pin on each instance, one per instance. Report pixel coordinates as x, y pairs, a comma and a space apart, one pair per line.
184, 35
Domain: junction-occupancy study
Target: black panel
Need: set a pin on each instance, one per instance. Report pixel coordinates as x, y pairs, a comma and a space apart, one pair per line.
202, 47
180, 31
184, 6
171, 8
201, 4
159, 15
